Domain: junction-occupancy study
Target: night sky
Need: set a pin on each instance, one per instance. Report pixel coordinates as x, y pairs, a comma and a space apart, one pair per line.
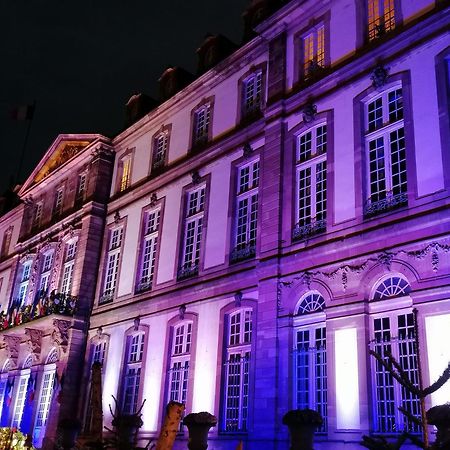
82, 60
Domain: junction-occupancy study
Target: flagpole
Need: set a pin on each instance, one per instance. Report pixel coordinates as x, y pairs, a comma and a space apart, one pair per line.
25, 143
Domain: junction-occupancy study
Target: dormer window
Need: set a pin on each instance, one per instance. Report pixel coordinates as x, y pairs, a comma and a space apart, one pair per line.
201, 125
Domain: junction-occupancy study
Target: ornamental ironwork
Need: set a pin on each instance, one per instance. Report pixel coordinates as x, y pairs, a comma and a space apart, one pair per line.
187, 271
144, 285
386, 204
302, 232
243, 252
106, 297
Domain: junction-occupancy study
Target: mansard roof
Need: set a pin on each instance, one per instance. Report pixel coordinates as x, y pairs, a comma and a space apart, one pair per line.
63, 149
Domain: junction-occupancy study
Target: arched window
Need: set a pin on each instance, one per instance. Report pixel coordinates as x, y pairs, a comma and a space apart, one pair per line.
53, 356
132, 372
28, 362
312, 302
237, 363
394, 286
310, 358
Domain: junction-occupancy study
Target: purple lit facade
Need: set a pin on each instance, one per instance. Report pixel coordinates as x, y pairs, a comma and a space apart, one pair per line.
267, 224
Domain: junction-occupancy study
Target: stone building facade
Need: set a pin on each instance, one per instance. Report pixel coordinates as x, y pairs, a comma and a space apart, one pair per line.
49, 260
273, 219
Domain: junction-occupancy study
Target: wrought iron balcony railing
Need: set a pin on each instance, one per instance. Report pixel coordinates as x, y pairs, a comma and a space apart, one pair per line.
106, 297
144, 285
44, 305
243, 252
388, 203
187, 271
302, 232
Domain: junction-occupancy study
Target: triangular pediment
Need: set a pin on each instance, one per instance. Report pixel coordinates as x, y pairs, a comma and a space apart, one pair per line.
63, 149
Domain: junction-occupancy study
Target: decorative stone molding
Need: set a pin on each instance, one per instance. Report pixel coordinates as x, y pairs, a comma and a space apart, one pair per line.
153, 199
60, 334
247, 150
56, 266
238, 298
34, 276
379, 76
12, 346
34, 342
137, 322
117, 217
309, 112
196, 178
181, 311
102, 150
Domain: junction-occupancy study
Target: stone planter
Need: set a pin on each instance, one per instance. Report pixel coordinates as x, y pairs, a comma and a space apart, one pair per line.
68, 431
439, 416
198, 425
127, 427
302, 424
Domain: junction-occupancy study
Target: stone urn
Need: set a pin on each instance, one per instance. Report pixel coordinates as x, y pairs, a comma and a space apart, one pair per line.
68, 431
439, 416
198, 425
302, 424
127, 427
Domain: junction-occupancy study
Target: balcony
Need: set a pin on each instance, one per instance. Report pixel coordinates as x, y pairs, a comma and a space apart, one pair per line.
106, 297
243, 252
187, 271
44, 305
386, 204
303, 232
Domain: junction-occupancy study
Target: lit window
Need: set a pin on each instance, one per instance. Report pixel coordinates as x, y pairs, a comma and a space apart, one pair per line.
392, 287
311, 172
312, 302
149, 247
252, 95
313, 50
69, 262
394, 334
124, 173
202, 116
386, 152
179, 362
20, 401
246, 212
112, 264
160, 144
58, 203
46, 269
132, 377
381, 17
192, 239
45, 398
237, 365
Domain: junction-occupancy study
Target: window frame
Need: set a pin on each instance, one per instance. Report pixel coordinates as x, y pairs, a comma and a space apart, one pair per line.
68, 264
199, 142
156, 166
58, 202
122, 185
244, 115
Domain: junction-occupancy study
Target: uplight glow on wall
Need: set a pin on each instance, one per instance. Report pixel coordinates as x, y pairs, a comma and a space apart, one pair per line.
347, 393
438, 347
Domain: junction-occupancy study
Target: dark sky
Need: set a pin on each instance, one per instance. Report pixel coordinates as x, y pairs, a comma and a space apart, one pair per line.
81, 60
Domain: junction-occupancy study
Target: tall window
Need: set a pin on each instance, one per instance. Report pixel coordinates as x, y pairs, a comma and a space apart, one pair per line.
112, 264
380, 17
310, 360
37, 215
69, 263
6, 242
47, 385
160, 147
46, 270
20, 398
313, 51
132, 376
386, 152
24, 277
202, 117
81, 187
179, 362
252, 93
246, 212
311, 173
237, 365
193, 227
148, 250
58, 202
124, 173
